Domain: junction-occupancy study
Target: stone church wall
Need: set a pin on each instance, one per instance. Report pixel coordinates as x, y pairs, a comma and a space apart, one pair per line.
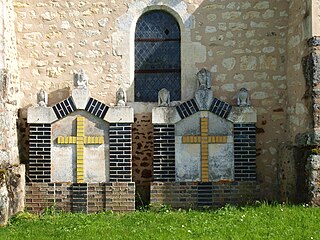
9, 85
298, 104
11, 173
253, 44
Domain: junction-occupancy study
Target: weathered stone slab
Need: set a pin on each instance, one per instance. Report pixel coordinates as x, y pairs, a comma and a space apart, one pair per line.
64, 157
80, 97
313, 170
189, 156
243, 115
41, 115
120, 115
165, 115
12, 191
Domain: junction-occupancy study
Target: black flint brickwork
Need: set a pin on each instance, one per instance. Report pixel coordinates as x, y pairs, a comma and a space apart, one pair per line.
96, 108
245, 152
187, 109
220, 108
205, 194
79, 197
39, 165
164, 152
64, 108
120, 152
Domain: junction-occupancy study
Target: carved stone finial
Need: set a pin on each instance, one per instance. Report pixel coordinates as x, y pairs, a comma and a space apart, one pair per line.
42, 98
164, 98
243, 99
121, 97
204, 94
81, 79
204, 78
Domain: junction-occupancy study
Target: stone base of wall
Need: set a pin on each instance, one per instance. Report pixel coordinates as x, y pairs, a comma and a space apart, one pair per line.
198, 195
80, 197
12, 191
313, 172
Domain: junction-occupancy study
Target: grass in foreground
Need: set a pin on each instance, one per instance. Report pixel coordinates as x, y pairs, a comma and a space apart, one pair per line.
262, 222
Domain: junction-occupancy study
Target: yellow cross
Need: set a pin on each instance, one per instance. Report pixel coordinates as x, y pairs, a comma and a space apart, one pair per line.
204, 139
80, 140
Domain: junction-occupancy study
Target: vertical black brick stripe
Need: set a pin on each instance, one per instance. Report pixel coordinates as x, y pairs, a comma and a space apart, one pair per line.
245, 152
64, 108
187, 109
79, 197
120, 152
164, 152
39, 165
205, 194
220, 108
97, 108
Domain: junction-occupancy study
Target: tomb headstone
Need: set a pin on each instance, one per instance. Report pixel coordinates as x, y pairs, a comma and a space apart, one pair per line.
80, 154
205, 151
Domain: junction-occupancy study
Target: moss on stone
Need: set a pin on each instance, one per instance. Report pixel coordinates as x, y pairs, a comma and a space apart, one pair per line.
315, 151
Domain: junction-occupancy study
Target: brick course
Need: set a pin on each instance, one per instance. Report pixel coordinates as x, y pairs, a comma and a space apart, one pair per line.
64, 108
196, 195
164, 152
245, 152
120, 152
39, 166
187, 108
85, 197
96, 108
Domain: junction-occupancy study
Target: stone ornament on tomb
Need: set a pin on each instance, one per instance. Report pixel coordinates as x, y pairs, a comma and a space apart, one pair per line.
121, 98
204, 94
243, 99
42, 98
81, 79
164, 98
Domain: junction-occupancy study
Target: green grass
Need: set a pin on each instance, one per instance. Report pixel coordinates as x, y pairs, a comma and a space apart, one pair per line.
259, 222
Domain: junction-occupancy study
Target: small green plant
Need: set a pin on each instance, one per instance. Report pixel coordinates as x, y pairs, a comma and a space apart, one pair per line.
51, 211
23, 216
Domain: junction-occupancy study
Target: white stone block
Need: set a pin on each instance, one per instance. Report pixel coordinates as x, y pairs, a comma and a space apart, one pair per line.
243, 115
165, 115
80, 97
41, 115
120, 115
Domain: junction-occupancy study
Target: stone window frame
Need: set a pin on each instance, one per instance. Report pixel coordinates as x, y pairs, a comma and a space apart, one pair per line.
124, 37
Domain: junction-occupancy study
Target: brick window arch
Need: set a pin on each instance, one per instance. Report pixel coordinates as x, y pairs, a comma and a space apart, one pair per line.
157, 56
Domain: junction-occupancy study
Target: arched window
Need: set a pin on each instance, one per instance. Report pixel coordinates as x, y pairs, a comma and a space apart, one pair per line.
157, 56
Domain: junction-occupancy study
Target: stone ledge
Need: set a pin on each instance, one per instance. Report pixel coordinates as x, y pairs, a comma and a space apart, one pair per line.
243, 115
120, 115
165, 115
41, 115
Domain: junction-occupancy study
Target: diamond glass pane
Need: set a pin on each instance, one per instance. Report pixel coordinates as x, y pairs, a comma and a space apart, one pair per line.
147, 86
157, 24
157, 56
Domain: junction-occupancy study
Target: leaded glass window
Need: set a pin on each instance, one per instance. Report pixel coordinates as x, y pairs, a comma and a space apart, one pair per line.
157, 56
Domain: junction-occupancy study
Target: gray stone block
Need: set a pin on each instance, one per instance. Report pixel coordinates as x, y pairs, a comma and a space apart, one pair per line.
41, 115
120, 115
80, 97
165, 115
243, 115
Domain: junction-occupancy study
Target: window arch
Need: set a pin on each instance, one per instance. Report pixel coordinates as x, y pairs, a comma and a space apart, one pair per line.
157, 56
